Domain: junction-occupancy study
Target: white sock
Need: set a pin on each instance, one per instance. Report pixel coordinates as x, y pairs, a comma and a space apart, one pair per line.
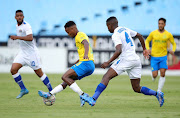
57, 89
161, 83
15, 75
76, 88
43, 77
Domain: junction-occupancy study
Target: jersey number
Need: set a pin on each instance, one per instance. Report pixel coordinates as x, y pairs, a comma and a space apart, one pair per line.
128, 40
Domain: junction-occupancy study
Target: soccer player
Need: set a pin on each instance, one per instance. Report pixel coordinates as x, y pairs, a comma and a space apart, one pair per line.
28, 54
160, 39
128, 61
83, 67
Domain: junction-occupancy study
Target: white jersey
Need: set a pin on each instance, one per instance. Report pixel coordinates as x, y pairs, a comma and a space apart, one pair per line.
124, 36
27, 47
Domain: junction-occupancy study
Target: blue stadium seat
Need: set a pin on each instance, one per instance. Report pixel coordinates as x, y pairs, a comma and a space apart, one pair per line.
47, 14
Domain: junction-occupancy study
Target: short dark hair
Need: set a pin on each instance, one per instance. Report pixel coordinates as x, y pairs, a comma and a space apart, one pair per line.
19, 11
111, 18
69, 24
162, 19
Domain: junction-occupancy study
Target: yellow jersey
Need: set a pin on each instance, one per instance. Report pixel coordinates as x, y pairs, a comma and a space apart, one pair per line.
80, 47
160, 43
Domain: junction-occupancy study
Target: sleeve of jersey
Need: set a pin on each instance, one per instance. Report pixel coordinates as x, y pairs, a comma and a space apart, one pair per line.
28, 29
132, 32
171, 39
149, 38
81, 37
116, 39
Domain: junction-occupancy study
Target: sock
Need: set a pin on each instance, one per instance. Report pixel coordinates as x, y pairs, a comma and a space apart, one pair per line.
46, 82
161, 83
17, 78
76, 88
57, 89
100, 88
147, 91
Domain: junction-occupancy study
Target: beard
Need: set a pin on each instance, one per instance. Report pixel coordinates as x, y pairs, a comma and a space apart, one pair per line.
161, 29
20, 22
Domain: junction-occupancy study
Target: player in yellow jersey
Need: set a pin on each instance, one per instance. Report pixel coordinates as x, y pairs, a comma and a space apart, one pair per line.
83, 67
159, 39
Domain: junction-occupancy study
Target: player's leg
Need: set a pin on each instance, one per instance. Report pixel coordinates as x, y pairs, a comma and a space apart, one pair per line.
154, 67
44, 78
162, 79
154, 74
59, 88
111, 73
135, 75
17, 77
146, 91
17, 64
34, 62
69, 77
163, 67
78, 71
137, 88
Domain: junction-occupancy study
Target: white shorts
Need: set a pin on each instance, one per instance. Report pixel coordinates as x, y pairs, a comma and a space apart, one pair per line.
32, 60
132, 67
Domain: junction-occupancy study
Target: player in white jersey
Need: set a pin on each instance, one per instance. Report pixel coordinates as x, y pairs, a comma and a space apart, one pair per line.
128, 61
28, 54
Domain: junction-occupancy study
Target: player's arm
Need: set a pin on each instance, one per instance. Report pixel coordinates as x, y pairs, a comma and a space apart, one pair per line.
76, 61
171, 39
115, 55
86, 47
145, 51
148, 40
29, 34
25, 38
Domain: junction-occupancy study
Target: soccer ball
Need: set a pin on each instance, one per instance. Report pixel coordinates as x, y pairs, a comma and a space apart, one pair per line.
49, 101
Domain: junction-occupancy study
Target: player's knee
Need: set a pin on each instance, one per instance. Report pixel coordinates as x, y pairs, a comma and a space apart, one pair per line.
13, 71
163, 74
63, 78
154, 75
39, 73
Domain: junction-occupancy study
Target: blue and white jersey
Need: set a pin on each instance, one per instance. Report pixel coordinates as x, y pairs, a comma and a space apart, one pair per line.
124, 36
27, 47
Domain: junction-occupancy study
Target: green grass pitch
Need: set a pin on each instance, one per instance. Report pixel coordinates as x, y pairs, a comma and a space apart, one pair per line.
118, 100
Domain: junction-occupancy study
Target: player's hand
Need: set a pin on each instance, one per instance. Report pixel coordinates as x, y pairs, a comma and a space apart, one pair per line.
104, 65
171, 52
146, 53
149, 51
13, 37
86, 57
